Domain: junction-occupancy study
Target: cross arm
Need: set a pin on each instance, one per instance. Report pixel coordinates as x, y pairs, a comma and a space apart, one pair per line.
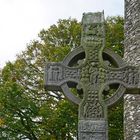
56, 74
129, 76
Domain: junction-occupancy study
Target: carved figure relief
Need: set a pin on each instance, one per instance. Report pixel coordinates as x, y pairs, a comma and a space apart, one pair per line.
55, 73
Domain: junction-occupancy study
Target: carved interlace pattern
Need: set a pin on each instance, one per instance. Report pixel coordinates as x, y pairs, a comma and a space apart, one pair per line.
92, 40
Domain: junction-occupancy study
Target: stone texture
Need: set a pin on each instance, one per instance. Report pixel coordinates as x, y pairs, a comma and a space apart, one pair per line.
132, 57
132, 32
92, 130
132, 117
92, 76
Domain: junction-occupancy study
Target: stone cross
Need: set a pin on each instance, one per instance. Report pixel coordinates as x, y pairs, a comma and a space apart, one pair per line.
92, 75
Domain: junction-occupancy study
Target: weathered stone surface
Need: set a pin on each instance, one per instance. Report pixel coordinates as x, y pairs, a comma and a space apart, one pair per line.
92, 75
132, 117
132, 32
58, 73
92, 130
132, 56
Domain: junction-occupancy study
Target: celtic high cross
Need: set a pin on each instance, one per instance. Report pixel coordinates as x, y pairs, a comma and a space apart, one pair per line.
92, 75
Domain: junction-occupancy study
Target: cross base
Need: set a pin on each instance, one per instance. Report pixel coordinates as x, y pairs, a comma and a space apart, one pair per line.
92, 130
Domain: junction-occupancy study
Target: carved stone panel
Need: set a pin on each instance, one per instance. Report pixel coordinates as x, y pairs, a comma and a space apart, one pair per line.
92, 130
129, 76
58, 74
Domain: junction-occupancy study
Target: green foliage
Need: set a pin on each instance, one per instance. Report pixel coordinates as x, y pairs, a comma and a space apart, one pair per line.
116, 122
114, 39
62, 120
27, 111
115, 34
60, 39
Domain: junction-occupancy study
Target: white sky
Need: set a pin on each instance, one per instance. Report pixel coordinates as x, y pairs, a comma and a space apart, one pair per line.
22, 20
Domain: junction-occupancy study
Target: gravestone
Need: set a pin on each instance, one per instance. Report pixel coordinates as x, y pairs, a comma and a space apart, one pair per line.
92, 75
132, 56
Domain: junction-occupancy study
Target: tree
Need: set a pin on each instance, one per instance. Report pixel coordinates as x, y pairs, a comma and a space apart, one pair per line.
115, 34
27, 111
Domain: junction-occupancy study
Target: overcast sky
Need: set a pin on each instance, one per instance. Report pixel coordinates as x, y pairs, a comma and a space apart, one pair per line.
21, 20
